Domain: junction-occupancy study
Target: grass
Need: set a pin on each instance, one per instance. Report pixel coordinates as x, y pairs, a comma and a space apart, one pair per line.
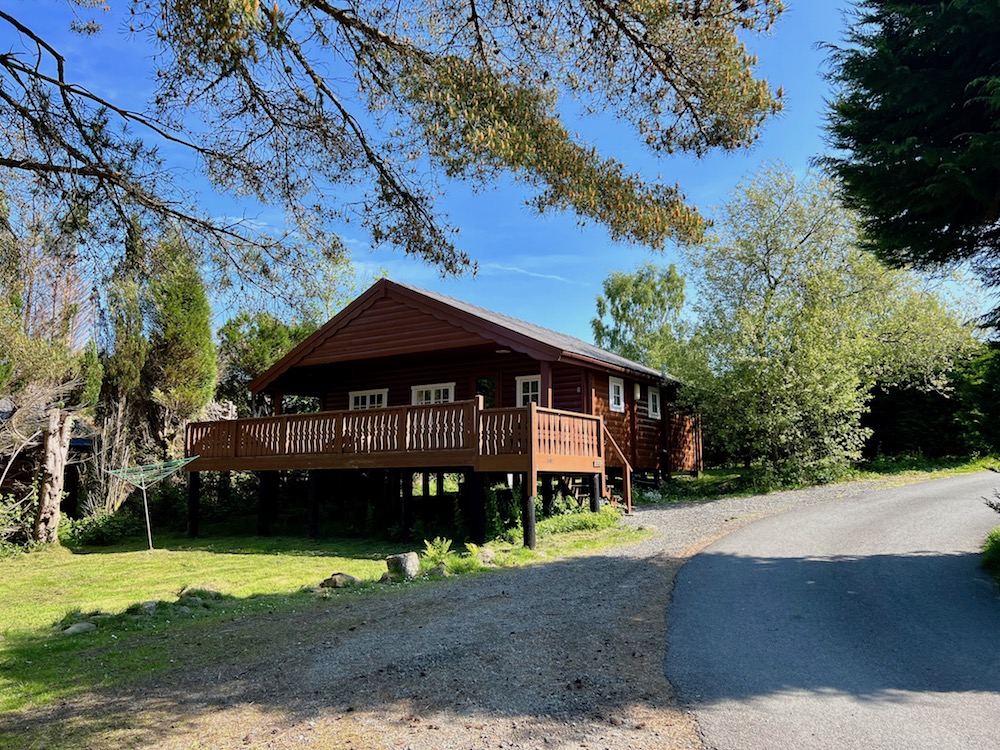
733, 482
991, 553
252, 577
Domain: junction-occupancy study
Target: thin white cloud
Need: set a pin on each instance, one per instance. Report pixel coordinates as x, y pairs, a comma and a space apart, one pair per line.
514, 269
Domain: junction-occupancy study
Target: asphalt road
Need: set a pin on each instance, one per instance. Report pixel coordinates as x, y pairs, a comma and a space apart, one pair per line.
858, 623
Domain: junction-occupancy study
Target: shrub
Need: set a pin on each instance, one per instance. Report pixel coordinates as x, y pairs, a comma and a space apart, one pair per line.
100, 531
991, 553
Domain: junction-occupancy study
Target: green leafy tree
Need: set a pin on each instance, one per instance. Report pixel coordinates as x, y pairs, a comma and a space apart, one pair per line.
639, 315
799, 324
916, 120
353, 113
181, 369
248, 345
127, 347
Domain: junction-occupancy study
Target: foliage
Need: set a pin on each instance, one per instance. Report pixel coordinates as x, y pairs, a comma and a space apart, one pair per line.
350, 114
181, 369
607, 518
16, 520
798, 325
437, 552
128, 348
991, 553
977, 396
639, 315
248, 345
915, 118
101, 530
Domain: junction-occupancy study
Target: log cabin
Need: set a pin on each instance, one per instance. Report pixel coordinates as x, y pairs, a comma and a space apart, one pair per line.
411, 380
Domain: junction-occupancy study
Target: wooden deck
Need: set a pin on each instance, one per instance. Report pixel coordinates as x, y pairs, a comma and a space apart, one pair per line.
455, 435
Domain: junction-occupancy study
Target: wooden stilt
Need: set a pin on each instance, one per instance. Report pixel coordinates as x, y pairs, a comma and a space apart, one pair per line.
595, 493
267, 501
547, 495
476, 504
407, 504
528, 509
425, 484
194, 503
439, 484
314, 490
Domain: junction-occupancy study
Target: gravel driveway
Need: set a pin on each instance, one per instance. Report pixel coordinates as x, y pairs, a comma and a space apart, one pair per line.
568, 654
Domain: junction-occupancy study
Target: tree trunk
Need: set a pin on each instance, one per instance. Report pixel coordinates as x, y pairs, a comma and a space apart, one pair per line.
55, 450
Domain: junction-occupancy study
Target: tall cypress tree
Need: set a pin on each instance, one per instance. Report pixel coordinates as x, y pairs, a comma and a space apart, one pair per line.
181, 368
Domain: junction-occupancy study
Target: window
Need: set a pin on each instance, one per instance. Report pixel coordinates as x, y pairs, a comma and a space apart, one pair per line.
616, 394
486, 386
435, 393
528, 389
654, 403
369, 399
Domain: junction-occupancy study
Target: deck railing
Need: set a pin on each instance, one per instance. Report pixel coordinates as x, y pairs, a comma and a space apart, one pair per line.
458, 434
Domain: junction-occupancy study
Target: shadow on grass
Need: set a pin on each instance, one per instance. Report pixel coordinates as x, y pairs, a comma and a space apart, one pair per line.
571, 645
514, 643
350, 547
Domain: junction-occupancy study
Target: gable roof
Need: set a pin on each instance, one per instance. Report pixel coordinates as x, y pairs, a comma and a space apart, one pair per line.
519, 335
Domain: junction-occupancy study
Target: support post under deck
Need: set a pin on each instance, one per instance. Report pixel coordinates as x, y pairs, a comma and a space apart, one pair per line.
528, 511
194, 503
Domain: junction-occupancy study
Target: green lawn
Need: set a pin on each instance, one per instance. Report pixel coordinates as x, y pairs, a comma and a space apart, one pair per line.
39, 665
40, 588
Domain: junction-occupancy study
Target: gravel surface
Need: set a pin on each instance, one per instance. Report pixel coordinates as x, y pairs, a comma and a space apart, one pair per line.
567, 654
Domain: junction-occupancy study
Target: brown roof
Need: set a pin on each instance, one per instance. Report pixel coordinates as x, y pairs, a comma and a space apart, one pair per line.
539, 342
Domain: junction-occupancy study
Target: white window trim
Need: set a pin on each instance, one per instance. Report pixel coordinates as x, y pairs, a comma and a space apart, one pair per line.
657, 412
414, 390
612, 382
384, 392
519, 380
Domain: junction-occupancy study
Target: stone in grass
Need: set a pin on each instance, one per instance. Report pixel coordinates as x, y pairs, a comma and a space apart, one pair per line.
403, 567
386, 578
191, 601
340, 581
182, 610
80, 627
486, 556
147, 608
439, 571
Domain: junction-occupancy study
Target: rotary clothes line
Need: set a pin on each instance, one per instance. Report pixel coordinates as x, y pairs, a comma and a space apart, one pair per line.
146, 476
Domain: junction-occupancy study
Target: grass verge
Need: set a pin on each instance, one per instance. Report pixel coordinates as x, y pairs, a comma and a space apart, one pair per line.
717, 483
991, 553
243, 578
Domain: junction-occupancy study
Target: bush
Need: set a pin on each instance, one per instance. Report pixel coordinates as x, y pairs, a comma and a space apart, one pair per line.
991, 553
16, 519
100, 531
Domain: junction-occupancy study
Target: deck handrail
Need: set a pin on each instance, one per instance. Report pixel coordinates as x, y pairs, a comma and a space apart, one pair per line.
627, 469
463, 429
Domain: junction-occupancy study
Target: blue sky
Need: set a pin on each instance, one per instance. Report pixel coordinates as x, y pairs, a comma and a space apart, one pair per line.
547, 269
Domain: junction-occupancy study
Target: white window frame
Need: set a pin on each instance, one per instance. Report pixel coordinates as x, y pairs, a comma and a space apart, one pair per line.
367, 398
620, 406
448, 389
520, 381
655, 404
